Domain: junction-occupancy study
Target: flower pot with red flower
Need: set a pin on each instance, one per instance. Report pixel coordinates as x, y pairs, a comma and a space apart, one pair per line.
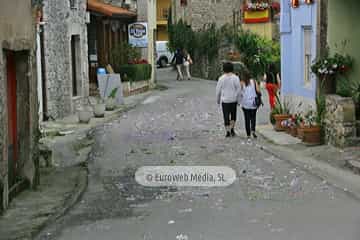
329, 68
279, 114
312, 130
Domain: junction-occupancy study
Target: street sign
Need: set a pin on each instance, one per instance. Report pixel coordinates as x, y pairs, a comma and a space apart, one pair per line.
138, 34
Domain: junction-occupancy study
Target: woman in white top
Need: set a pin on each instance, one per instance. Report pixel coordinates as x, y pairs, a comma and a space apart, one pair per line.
228, 95
188, 61
249, 90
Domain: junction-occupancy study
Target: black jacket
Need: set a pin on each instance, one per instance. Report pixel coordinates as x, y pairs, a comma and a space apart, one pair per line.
178, 58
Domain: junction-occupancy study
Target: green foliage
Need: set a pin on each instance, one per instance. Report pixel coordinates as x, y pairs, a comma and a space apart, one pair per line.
135, 72
113, 93
349, 88
257, 52
123, 54
228, 32
203, 43
332, 65
208, 41
181, 36
280, 108
320, 109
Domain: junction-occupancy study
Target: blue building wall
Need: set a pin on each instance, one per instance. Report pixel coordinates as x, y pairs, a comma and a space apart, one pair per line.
292, 23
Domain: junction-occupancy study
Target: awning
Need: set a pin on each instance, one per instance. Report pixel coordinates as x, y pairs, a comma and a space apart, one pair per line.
108, 10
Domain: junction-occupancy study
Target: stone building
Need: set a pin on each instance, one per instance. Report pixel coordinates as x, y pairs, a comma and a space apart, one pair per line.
108, 28
64, 45
197, 13
18, 97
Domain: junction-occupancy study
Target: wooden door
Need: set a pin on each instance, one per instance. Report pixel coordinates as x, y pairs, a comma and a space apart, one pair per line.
12, 116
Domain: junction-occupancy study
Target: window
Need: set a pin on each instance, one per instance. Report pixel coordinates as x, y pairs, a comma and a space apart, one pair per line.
307, 54
75, 65
164, 13
73, 4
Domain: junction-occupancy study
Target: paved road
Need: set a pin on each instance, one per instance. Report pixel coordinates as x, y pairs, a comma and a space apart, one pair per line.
270, 199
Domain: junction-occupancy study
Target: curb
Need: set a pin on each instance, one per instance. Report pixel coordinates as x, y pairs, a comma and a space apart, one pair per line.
341, 179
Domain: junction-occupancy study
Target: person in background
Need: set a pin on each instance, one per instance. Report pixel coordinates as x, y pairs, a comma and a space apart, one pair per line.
178, 59
228, 95
249, 90
273, 84
187, 63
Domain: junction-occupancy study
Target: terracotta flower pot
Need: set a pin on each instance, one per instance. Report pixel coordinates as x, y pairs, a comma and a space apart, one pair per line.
312, 135
293, 131
278, 119
300, 132
288, 130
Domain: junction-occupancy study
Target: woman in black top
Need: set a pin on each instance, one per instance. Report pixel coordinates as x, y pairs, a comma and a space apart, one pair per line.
179, 61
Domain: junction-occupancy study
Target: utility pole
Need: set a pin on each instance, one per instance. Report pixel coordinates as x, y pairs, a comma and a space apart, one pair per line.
151, 17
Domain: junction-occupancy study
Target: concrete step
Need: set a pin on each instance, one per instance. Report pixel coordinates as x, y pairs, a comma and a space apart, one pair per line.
354, 165
353, 142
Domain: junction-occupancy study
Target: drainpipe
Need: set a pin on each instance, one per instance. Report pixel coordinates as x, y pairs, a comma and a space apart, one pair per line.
39, 25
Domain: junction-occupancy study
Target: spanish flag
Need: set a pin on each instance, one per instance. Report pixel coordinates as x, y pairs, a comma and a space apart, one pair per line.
257, 16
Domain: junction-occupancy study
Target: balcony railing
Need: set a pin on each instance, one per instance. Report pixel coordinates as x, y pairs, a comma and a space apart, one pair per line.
162, 14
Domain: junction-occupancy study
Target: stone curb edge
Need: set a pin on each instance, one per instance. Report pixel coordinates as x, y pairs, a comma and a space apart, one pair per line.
343, 180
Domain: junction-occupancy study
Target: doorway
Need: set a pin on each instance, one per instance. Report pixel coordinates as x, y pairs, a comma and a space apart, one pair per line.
18, 113
75, 65
12, 116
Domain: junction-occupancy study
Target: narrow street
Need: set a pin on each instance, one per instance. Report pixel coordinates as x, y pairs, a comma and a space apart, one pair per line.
270, 199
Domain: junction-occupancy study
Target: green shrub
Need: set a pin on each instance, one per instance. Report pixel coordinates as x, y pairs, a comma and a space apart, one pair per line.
257, 52
123, 54
135, 72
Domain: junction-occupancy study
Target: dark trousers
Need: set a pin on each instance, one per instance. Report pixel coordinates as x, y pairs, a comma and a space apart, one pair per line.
250, 120
229, 112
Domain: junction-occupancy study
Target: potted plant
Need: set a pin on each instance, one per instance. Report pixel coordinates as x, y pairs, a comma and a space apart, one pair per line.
311, 130
329, 68
313, 123
84, 114
280, 113
292, 125
110, 102
99, 109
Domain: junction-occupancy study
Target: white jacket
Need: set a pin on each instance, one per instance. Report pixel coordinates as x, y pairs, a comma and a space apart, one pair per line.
228, 89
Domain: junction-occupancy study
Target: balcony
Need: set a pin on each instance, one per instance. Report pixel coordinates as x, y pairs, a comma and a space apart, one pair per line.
162, 16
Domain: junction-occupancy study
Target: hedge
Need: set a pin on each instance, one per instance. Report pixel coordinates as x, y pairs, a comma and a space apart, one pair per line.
135, 72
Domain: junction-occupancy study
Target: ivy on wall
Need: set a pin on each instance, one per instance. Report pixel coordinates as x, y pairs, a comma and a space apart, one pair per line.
256, 53
202, 43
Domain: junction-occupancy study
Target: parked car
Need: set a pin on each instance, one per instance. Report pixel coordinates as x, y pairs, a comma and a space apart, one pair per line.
163, 54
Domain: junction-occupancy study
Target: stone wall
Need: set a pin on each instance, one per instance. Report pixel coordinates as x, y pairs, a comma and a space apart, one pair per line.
17, 34
202, 68
340, 123
61, 22
197, 13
